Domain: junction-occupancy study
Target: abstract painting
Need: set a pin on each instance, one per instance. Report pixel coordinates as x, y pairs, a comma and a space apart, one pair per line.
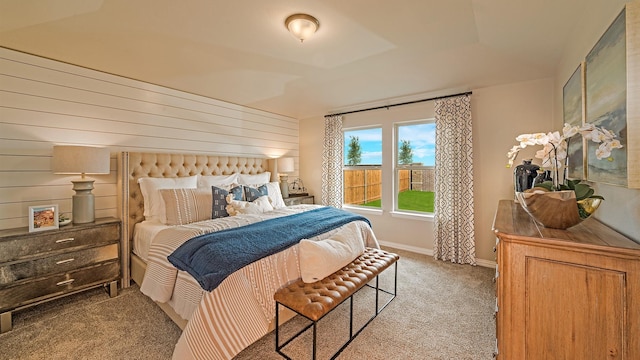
606, 98
572, 107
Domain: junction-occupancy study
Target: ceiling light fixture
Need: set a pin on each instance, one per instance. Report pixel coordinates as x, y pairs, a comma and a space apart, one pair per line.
302, 26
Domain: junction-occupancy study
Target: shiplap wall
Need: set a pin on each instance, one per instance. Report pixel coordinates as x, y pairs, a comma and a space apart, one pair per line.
45, 103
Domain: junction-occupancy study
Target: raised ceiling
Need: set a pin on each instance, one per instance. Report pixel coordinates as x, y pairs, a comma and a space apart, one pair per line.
240, 51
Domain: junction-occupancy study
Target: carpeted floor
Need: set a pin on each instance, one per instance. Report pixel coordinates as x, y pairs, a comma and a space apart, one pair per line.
442, 311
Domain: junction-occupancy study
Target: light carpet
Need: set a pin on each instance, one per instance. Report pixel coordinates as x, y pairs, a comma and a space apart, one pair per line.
442, 311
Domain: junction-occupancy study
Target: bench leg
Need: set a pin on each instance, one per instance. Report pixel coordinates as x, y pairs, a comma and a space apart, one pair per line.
277, 327
315, 329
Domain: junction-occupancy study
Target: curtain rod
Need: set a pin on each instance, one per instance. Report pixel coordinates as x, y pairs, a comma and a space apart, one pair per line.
404, 103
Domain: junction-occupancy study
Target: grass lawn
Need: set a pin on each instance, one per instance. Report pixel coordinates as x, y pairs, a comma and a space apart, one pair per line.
411, 200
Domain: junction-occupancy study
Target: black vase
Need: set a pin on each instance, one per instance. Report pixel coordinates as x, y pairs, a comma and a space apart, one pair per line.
542, 177
524, 174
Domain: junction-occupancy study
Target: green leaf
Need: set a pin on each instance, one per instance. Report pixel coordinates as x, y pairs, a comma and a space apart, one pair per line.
546, 185
583, 191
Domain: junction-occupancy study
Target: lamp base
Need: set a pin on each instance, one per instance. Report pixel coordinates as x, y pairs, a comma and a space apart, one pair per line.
284, 186
83, 202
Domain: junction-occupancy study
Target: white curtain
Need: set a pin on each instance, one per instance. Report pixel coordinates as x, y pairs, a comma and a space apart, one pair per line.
332, 162
453, 218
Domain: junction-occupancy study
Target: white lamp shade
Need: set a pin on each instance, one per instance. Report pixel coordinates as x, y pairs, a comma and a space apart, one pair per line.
75, 159
285, 165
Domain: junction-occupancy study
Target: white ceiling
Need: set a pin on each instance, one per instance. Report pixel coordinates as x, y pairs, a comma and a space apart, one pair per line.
239, 51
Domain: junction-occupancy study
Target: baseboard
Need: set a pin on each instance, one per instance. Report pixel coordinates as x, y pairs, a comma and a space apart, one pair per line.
429, 252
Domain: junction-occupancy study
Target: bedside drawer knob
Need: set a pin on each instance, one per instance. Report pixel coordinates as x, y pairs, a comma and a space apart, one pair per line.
66, 282
64, 261
64, 240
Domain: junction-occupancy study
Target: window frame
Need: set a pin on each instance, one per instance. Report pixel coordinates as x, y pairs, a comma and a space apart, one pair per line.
397, 167
360, 166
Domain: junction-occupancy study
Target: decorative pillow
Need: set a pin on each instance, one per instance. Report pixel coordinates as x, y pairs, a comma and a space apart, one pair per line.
262, 178
184, 206
319, 259
251, 193
273, 192
273, 189
258, 206
219, 199
207, 181
153, 203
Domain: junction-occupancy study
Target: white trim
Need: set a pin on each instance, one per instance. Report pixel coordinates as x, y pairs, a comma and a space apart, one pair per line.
363, 209
424, 251
413, 249
412, 216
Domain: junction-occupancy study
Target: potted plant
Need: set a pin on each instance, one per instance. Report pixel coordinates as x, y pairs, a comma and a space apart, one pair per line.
562, 203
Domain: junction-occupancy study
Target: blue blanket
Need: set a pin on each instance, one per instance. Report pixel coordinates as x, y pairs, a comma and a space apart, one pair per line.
211, 258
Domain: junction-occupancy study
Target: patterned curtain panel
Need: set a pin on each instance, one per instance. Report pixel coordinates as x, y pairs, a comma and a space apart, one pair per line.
332, 162
453, 218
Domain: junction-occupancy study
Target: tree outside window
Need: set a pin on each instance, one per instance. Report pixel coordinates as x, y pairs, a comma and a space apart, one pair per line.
354, 156
406, 153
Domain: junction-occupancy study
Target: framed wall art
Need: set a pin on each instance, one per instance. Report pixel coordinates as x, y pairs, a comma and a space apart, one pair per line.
43, 217
573, 114
612, 95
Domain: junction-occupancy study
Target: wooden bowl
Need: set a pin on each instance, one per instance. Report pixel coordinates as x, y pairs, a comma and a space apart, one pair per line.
554, 209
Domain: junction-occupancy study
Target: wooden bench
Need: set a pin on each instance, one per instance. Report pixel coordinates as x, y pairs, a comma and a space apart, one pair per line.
315, 300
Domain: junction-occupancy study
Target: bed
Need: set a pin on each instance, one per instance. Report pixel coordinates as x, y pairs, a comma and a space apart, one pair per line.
216, 324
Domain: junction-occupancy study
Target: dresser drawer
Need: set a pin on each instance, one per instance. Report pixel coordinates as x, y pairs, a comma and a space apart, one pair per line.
33, 245
56, 264
41, 289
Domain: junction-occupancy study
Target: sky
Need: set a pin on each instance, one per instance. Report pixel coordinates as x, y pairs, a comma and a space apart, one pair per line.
422, 138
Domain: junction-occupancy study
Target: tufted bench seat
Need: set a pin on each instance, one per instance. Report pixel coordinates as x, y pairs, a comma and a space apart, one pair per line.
315, 300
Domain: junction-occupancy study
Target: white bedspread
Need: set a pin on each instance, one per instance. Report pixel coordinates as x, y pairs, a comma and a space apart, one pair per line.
238, 312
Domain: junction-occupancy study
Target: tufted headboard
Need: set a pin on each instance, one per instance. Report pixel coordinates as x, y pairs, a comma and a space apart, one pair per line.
134, 165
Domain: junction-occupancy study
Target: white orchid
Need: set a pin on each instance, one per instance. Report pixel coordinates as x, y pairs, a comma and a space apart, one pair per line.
555, 146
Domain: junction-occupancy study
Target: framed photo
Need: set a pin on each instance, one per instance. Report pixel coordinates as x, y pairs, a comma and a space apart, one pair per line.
43, 217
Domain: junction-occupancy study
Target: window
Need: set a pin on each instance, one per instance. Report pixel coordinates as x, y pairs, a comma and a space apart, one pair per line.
415, 166
362, 167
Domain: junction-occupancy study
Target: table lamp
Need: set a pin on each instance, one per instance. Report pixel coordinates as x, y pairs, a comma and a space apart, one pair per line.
285, 165
76, 159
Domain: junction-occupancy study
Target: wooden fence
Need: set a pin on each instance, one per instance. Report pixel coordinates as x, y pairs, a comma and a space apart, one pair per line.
365, 185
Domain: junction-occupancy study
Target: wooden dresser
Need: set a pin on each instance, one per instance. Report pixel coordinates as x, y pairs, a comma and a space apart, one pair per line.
41, 266
565, 294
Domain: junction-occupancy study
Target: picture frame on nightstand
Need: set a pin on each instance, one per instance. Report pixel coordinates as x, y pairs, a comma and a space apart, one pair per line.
43, 217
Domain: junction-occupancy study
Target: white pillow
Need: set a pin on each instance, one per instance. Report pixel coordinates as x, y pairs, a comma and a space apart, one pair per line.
216, 180
257, 206
273, 192
153, 204
262, 178
319, 259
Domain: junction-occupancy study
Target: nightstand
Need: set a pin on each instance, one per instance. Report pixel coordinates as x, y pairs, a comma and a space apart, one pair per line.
41, 266
296, 200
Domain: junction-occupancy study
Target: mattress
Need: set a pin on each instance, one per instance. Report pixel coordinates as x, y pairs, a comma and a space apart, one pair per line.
143, 235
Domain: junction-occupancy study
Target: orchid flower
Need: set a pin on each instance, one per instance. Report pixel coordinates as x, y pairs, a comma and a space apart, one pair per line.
555, 146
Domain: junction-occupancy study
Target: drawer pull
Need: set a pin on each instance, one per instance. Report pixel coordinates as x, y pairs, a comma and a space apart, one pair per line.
66, 282
64, 240
64, 261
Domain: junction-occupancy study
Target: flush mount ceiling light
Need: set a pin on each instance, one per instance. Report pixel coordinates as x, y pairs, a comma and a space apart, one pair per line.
302, 26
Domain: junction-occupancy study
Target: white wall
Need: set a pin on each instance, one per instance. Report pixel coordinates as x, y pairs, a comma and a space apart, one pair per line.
621, 209
499, 114
44, 102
